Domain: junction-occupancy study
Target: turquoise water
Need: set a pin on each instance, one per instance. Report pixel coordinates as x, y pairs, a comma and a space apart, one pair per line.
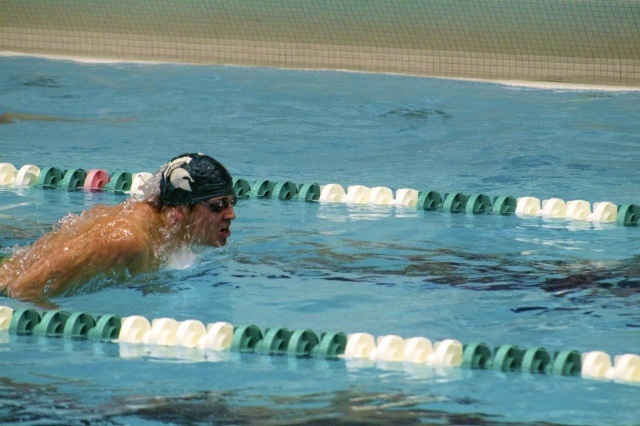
375, 269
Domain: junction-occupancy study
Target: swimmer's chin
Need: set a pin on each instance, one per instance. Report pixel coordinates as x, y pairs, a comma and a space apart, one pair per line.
220, 243
217, 243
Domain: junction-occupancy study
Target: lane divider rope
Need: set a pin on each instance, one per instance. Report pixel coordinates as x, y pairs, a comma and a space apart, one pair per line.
126, 183
223, 336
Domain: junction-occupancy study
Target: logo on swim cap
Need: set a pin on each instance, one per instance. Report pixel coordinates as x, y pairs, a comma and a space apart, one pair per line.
179, 177
190, 178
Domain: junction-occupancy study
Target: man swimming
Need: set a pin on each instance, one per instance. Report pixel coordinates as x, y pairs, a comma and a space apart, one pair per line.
190, 201
12, 118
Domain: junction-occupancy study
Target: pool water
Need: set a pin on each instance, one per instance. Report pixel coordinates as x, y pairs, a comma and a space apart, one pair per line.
526, 281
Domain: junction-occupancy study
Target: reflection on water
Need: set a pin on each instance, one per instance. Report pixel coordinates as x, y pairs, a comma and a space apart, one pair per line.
26, 403
382, 263
349, 406
420, 114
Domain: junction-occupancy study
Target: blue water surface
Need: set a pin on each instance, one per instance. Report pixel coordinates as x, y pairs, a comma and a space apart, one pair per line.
530, 282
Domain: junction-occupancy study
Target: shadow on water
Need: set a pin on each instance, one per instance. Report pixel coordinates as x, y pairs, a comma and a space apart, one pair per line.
421, 114
388, 263
36, 404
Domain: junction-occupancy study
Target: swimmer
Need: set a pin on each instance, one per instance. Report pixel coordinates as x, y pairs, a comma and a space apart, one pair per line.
189, 202
11, 118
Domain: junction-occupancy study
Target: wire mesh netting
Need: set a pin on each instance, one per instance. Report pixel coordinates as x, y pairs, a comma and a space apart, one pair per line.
571, 41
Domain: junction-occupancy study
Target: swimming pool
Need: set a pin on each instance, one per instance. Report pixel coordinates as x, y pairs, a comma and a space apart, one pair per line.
527, 281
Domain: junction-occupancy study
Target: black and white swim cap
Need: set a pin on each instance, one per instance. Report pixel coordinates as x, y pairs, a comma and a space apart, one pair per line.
191, 178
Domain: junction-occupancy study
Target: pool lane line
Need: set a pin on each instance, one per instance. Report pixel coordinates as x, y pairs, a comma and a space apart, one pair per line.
126, 183
334, 345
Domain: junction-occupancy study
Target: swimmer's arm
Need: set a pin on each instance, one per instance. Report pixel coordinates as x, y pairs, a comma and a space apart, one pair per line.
79, 259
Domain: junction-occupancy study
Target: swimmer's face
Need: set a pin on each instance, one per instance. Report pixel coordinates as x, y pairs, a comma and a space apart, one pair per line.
212, 220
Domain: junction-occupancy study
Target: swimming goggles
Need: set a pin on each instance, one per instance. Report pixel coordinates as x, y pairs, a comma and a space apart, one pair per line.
217, 206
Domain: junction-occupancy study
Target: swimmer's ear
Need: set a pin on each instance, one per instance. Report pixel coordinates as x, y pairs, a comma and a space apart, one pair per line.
178, 213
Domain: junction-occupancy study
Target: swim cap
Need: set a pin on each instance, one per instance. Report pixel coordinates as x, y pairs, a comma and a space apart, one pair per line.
191, 178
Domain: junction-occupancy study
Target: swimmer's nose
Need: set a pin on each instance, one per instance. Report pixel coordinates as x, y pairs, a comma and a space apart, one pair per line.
230, 213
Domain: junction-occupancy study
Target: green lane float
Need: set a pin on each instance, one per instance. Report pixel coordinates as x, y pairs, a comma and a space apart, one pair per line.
302, 343
262, 189
274, 342
119, 183
454, 202
285, 190
507, 358
309, 192
331, 346
476, 356
23, 321
73, 179
242, 188
628, 215
536, 361
106, 328
504, 205
50, 178
478, 204
51, 324
246, 338
78, 325
429, 200
567, 363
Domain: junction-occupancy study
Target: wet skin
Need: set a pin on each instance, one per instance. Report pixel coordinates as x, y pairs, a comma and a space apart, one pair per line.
116, 241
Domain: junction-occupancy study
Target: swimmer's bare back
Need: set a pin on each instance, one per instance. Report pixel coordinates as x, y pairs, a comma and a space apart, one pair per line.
112, 240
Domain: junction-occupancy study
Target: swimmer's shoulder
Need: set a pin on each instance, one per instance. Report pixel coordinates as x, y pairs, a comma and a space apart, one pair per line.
125, 237
141, 210
132, 209
141, 218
